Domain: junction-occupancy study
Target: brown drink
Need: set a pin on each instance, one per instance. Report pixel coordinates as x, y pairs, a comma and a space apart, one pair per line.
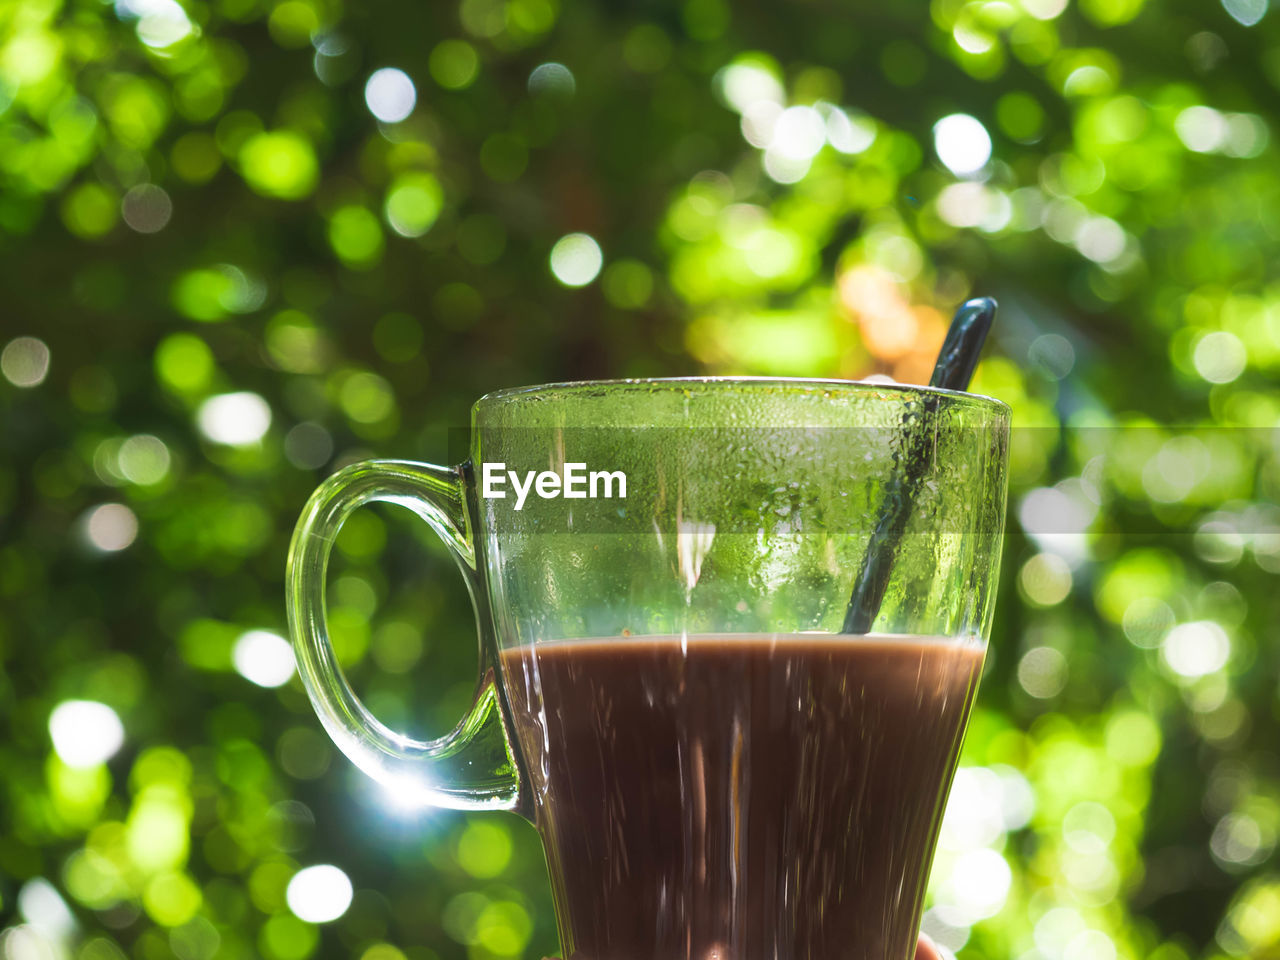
740, 796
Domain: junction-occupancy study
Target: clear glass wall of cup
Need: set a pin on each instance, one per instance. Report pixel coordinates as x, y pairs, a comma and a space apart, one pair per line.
715, 770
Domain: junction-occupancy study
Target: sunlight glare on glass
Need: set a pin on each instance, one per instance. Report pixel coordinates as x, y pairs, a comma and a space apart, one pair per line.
962, 144
111, 527
1247, 12
1196, 649
406, 794
85, 733
25, 362
235, 419
576, 259
390, 95
264, 658
319, 894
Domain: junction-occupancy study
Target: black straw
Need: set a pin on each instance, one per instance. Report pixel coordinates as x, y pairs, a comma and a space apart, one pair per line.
953, 371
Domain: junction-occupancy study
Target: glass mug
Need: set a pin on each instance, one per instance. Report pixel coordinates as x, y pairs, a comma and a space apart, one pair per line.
715, 768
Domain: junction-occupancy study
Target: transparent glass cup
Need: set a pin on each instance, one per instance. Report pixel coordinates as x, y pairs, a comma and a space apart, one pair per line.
729, 640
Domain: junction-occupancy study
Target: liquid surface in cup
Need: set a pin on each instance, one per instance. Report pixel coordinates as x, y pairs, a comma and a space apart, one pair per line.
740, 796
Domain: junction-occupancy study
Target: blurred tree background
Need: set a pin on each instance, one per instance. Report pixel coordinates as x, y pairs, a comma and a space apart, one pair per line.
247, 241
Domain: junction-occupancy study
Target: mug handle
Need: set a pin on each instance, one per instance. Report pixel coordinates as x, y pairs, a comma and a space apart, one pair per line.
472, 768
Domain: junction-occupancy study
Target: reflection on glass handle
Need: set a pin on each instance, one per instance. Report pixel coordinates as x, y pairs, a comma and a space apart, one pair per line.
471, 768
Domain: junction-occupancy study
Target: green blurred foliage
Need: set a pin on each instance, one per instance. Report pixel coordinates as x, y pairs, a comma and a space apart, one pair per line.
237, 256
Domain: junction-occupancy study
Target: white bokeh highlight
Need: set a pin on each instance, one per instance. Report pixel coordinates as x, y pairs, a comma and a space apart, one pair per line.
390, 95
264, 658
553, 78
110, 527
319, 894
85, 733
962, 144
1100, 239
25, 361
160, 23
1246, 12
43, 907
1202, 129
798, 133
849, 133
743, 84
1196, 649
975, 205
143, 459
576, 259
235, 419
1044, 9
1220, 356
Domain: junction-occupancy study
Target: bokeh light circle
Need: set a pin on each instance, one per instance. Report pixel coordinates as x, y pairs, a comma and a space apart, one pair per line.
319, 894
576, 259
146, 208
798, 133
1220, 357
264, 658
1196, 649
25, 361
235, 419
144, 459
85, 733
962, 144
552, 78
111, 527
390, 95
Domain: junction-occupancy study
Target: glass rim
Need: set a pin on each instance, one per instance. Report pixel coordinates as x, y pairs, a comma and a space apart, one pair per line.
824, 383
